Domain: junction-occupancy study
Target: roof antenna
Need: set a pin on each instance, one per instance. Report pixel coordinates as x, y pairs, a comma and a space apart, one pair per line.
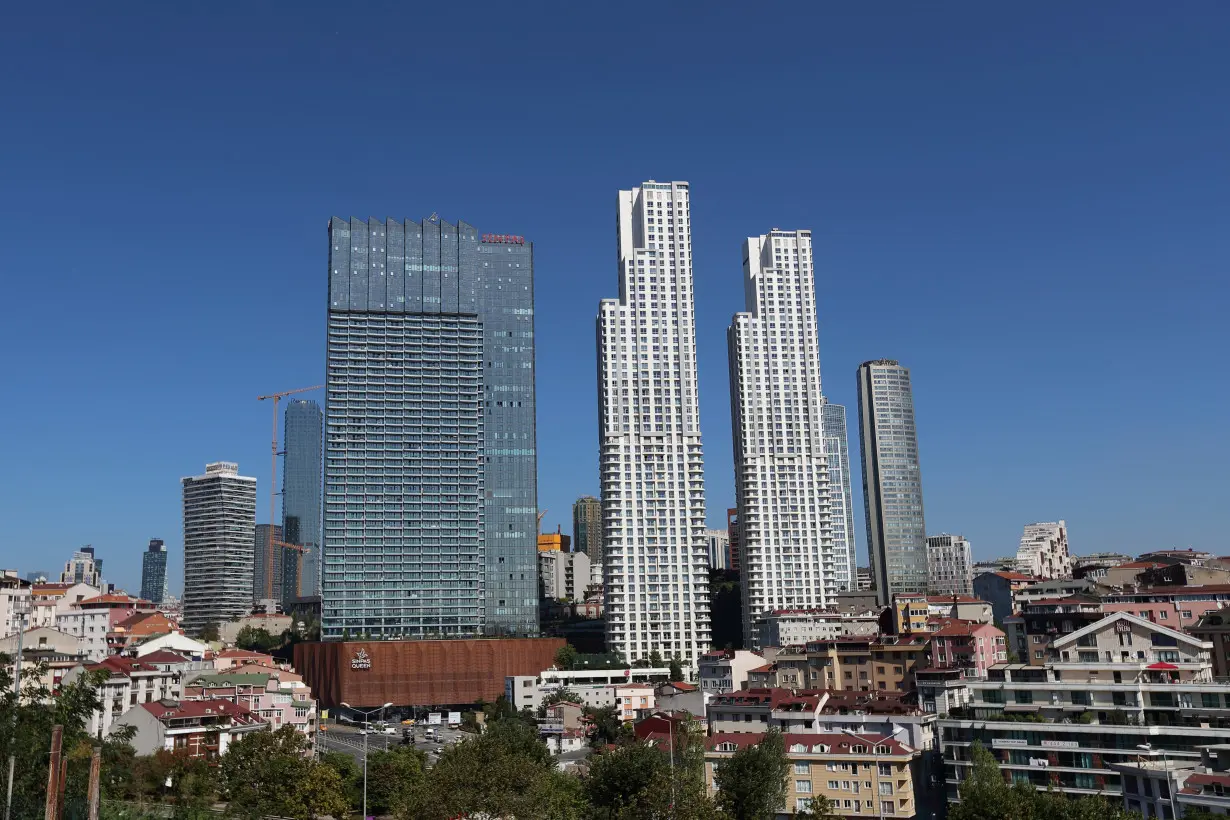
435, 217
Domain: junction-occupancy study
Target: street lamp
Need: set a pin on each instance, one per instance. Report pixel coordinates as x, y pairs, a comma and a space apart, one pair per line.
367, 730
1148, 747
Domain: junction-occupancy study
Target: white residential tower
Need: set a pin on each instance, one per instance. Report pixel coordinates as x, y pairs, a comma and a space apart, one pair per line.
781, 473
655, 562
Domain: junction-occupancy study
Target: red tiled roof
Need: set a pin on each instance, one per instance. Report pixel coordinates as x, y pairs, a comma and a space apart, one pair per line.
681, 686
1210, 779
121, 666
1138, 565
242, 653
1014, 576
199, 708
837, 743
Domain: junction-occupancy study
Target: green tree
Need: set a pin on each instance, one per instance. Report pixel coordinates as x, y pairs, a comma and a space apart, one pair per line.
752, 782
26, 725
676, 669
605, 725
565, 657
504, 772
210, 633
985, 793
395, 780
558, 696
821, 808
305, 789
257, 639
639, 780
350, 772
655, 659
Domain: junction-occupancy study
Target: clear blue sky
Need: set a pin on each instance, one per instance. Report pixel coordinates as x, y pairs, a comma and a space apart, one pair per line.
1026, 205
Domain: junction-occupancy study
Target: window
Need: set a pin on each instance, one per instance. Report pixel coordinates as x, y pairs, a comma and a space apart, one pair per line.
886, 788
834, 785
886, 807
801, 768
802, 786
886, 770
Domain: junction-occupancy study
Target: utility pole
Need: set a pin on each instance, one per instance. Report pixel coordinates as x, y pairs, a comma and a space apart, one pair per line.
95, 776
50, 809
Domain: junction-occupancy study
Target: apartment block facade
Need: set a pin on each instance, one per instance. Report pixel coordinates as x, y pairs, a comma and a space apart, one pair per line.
219, 528
655, 565
1107, 691
950, 565
789, 560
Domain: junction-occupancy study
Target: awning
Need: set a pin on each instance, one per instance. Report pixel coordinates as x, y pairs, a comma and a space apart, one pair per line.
1162, 665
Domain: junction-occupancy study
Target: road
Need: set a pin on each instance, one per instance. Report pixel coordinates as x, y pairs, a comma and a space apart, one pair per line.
347, 739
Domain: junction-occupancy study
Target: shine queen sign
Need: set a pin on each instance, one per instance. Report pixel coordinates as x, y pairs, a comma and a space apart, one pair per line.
361, 660
503, 239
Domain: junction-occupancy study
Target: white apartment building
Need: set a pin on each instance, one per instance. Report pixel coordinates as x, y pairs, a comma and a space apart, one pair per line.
950, 565
129, 683
781, 472
655, 562
89, 625
1043, 552
15, 608
797, 627
219, 545
1118, 688
724, 671
563, 575
594, 687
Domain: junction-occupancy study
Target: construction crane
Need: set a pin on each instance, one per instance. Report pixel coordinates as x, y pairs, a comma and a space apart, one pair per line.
540, 517
273, 484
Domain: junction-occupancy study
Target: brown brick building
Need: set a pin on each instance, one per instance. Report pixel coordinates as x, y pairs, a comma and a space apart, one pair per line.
419, 673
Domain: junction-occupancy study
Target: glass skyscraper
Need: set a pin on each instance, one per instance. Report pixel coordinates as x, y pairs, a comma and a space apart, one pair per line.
430, 452
587, 527
841, 503
301, 478
154, 572
892, 479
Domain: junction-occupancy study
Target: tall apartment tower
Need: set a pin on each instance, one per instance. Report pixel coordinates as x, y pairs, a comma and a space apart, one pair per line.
219, 521
431, 497
301, 477
892, 479
841, 501
781, 474
154, 571
950, 565
587, 527
655, 566
262, 545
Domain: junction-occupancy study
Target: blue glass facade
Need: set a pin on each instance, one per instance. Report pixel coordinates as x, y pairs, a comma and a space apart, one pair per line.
301, 477
430, 496
154, 571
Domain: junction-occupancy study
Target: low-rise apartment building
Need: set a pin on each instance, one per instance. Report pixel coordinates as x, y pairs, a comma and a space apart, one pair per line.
1104, 693
861, 775
796, 627
726, 670
201, 730
593, 686
262, 694
998, 588
129, 683
971, 646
